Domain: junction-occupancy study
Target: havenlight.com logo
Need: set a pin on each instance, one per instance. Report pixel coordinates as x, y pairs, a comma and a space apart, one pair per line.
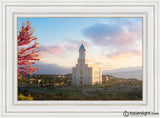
138, 114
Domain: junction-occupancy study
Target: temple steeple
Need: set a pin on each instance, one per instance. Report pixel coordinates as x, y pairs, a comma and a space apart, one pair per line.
82, 46
82, 54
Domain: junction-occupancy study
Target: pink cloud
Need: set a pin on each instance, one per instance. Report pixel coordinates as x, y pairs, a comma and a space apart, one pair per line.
125, 39
124, 34
71, 46
43, 54
128, 37
125, 54
53, 49
59, 49
43, 60
75, 44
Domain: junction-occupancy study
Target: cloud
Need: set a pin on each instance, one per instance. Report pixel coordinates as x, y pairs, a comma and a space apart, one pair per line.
92, 59
75, 44
60, 49
72, 44
60, 53
125, 38
119, 44
125, 53
121, 60
53, 49
116, 35
100, 34
43, 54
121, 37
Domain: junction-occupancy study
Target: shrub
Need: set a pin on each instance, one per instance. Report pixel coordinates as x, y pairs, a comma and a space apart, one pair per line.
22, 97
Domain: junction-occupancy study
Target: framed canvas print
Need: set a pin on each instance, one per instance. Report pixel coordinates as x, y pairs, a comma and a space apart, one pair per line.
80, 58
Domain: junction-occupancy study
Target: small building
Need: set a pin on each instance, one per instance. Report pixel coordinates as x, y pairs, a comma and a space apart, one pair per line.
84, 73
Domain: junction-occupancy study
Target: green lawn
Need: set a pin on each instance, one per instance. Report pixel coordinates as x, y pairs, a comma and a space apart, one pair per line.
57, 91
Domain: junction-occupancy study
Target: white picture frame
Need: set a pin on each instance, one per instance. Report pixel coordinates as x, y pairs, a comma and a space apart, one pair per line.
11, 10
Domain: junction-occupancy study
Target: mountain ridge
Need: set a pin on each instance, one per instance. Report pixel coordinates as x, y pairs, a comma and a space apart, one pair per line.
132, 72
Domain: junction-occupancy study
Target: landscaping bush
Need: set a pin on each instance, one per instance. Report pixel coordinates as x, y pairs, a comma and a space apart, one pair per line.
22, 97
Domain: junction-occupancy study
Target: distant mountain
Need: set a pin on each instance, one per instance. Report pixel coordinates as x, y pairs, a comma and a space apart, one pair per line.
132, 72
46, 68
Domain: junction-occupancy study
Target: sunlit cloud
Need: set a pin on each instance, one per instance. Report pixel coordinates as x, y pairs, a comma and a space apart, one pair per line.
110, 42
125, 38
116, 35
53, 49
121, 61
92, 59
125, 53
44, 54
122, 39
61, 49
71, 46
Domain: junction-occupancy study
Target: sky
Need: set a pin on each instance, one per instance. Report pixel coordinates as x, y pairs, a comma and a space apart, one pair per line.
113, 43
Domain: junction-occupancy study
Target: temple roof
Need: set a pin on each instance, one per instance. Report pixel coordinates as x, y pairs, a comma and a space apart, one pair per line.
82, 47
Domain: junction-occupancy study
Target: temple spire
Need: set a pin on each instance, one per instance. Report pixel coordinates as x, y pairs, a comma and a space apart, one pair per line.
82, 46
82, 54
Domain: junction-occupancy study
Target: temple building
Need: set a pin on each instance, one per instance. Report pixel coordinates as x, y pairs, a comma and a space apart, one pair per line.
84, 73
